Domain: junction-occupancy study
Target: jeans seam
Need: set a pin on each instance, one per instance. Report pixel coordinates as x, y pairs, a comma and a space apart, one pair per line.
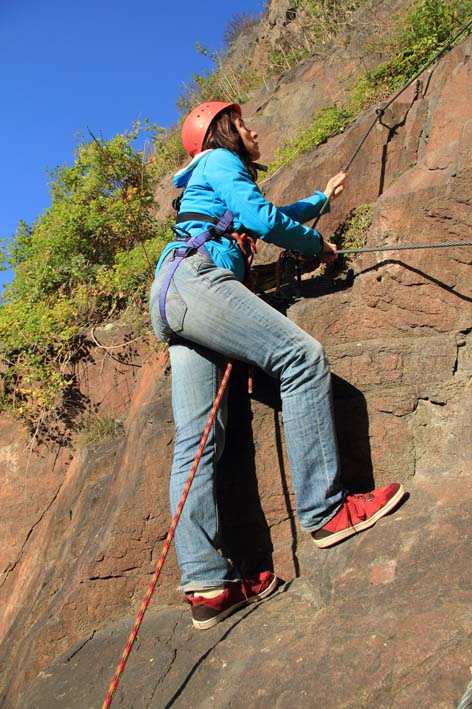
215, 322
183, 304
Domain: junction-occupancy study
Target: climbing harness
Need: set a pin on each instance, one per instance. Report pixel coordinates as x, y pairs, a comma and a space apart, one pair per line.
246, 244
195, 243
126, 652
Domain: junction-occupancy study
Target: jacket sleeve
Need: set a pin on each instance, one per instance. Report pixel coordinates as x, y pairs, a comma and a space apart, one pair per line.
307, 208
231, 182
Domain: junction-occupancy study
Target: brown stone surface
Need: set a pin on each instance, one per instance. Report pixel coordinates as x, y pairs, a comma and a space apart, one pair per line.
387, 619
287, 103
383, 620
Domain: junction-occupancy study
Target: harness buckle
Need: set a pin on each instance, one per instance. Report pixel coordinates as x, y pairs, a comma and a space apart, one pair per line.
180, 234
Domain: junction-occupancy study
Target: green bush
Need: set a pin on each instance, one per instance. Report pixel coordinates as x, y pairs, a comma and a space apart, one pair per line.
420, 32
328, 122
91, 254
99, 428
167, 151
352, 233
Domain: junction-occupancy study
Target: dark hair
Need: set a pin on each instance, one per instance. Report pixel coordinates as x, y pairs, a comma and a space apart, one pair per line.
222, 133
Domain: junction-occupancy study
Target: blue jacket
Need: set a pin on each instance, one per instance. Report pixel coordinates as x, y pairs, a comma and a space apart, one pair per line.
217, 180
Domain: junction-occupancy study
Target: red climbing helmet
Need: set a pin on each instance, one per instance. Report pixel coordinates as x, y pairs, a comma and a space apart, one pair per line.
198, 121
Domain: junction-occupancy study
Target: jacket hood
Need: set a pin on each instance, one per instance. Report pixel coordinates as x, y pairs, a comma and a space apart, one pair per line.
182, 177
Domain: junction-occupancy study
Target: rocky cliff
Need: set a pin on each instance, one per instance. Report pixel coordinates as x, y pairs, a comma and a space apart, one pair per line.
383, 620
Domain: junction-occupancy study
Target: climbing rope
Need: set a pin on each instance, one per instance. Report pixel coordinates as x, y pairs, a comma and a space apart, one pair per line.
168, 541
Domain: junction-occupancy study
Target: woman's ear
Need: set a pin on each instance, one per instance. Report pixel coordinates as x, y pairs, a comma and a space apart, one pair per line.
236, 118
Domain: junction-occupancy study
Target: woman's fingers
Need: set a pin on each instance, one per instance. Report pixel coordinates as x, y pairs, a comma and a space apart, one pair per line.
335, 185
328, 253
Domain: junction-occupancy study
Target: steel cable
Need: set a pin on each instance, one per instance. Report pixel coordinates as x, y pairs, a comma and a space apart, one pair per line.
381, 111
466, 701
404, 247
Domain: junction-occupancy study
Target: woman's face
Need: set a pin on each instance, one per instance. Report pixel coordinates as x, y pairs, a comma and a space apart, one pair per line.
249, 137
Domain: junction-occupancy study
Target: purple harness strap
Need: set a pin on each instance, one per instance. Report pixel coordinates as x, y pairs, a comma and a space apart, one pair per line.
195, 243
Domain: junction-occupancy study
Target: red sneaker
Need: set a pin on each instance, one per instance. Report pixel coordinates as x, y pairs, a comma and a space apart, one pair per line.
207, 612
358, 512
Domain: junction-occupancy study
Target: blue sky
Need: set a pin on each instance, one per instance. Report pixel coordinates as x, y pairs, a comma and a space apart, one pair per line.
66, 67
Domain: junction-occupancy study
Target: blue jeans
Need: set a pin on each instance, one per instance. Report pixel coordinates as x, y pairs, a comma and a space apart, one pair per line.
216, 319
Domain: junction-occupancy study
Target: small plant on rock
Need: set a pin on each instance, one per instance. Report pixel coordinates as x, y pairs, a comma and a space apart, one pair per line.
352, 233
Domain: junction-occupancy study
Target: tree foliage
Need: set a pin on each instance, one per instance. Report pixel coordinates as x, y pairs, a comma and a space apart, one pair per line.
88, 256
420, 32
237, 25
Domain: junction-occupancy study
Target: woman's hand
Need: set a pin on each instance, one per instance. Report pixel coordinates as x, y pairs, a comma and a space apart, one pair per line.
328, 253
335, 185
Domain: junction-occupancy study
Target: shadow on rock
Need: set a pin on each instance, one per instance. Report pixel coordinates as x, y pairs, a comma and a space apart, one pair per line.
352, 426
244, 529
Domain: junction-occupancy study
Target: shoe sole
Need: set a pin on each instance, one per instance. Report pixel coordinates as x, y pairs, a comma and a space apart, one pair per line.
205, 624
350, 531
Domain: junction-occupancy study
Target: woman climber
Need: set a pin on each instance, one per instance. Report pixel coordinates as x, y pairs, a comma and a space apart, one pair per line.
201, 307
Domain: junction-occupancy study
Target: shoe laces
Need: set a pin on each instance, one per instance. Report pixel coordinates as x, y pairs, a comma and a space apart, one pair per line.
363, 497
247, 583
357, 503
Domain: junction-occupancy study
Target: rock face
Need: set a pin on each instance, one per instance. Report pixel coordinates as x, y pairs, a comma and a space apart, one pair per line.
370, 623
287, 103
383, 620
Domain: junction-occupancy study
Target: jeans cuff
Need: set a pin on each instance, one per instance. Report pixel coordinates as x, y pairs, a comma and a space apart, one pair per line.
326, 519
192, 586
